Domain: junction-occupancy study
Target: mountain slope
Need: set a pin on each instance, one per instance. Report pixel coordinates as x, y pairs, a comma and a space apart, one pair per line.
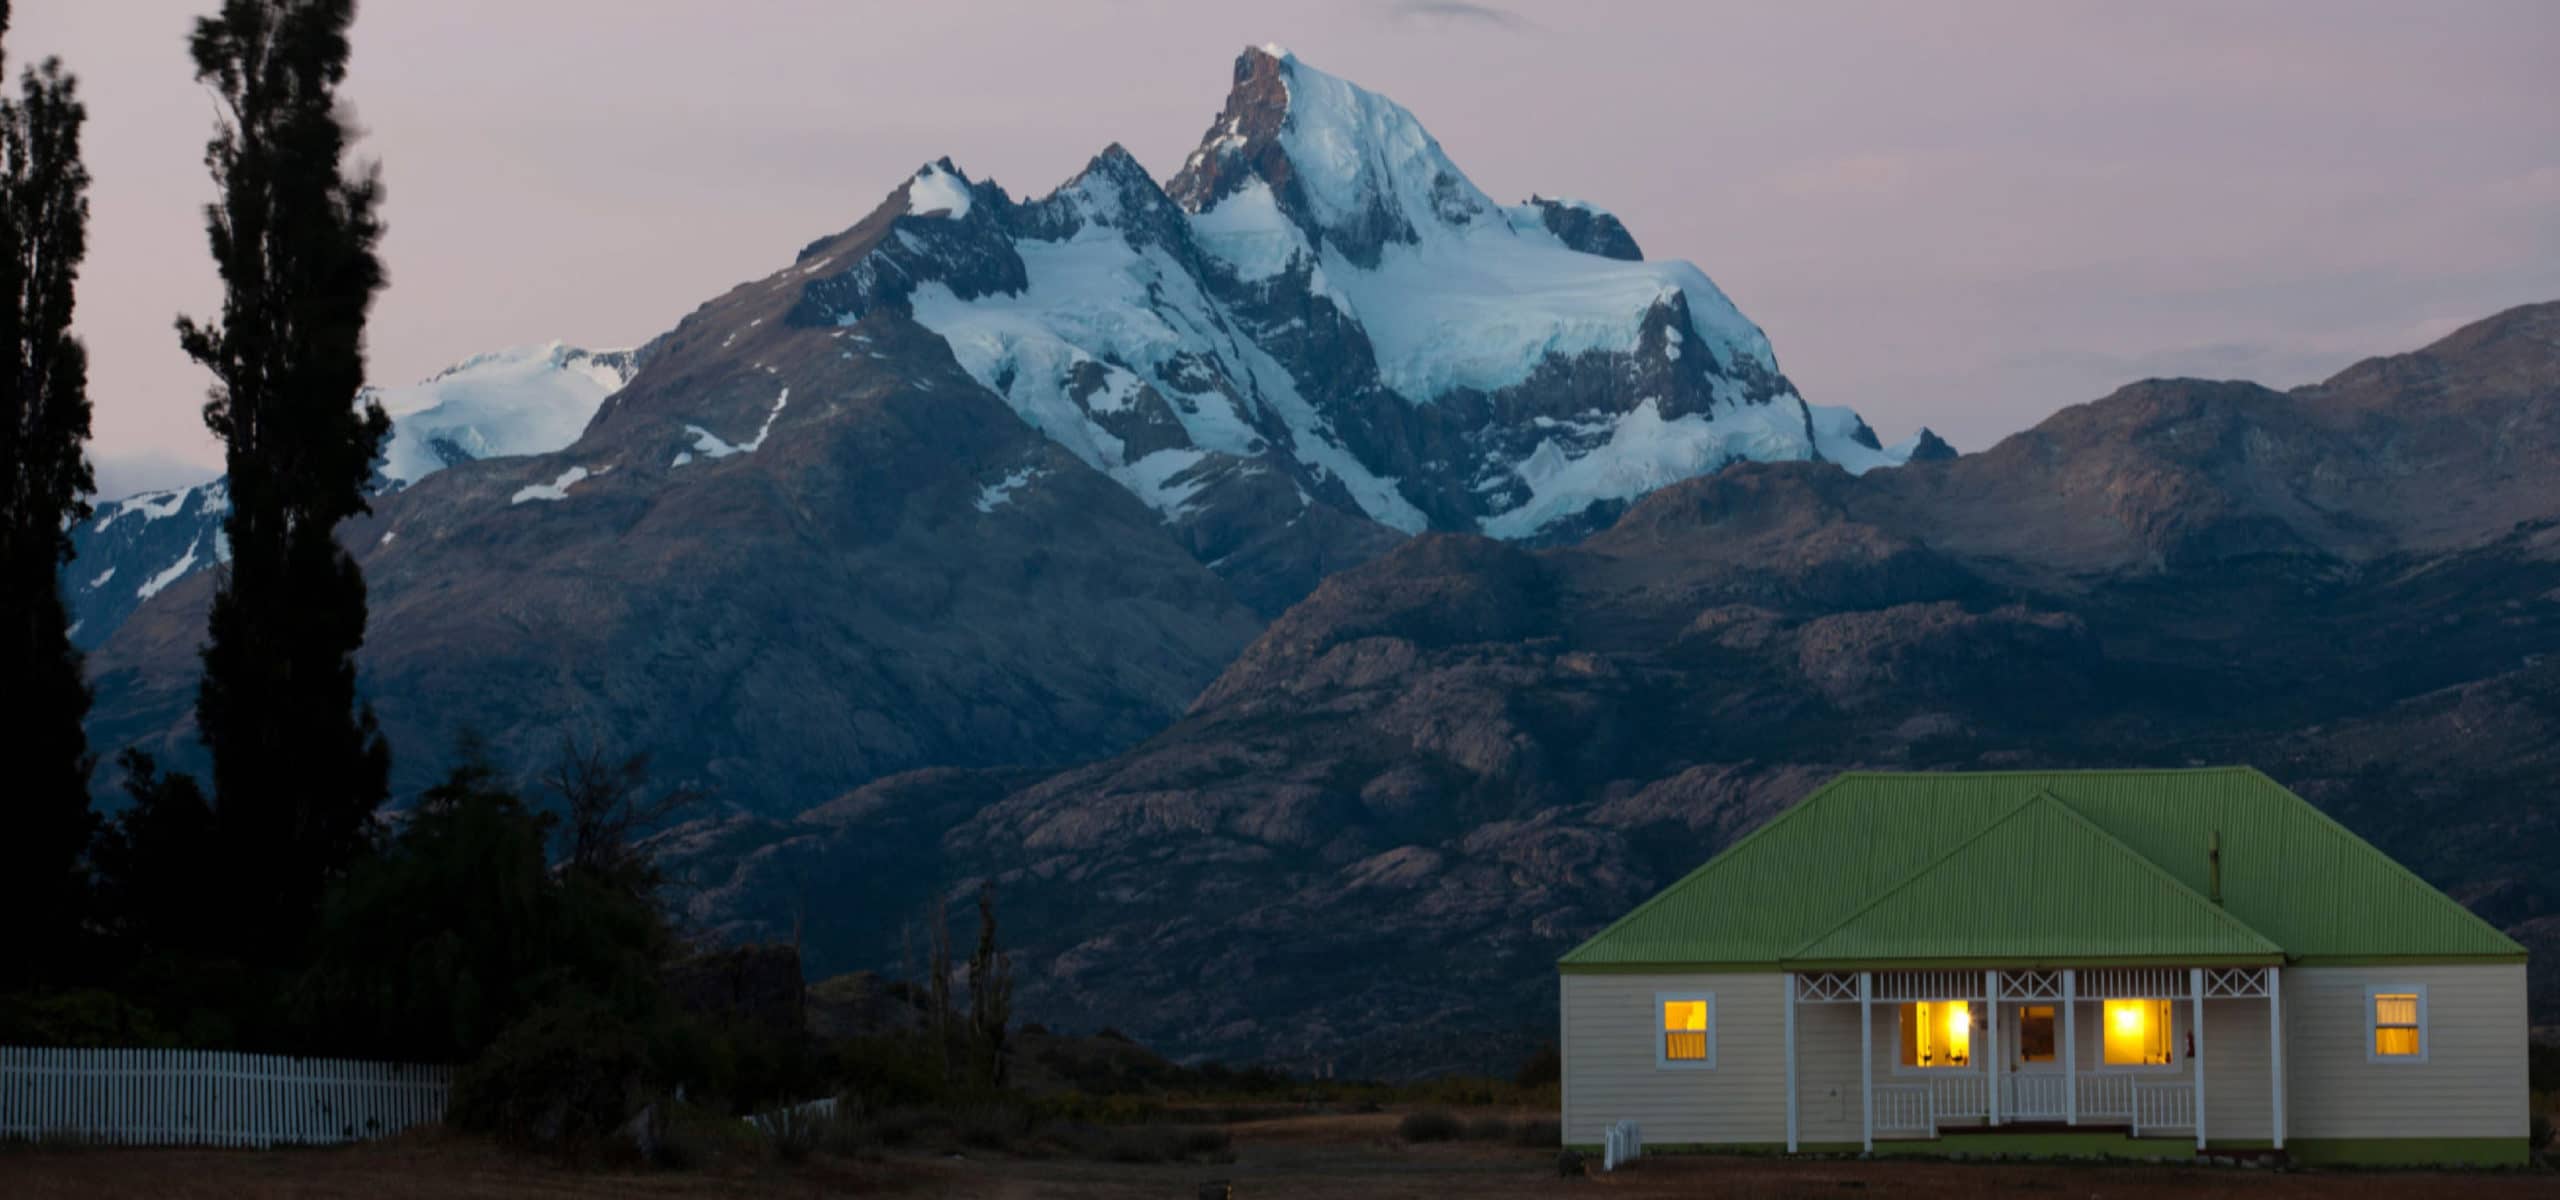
1373, 833
982, 481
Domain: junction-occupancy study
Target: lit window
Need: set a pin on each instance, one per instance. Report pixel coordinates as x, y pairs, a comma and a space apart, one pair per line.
2138, 1033
2035, 1033
1687, 1030
1937, 1033
2399, 1023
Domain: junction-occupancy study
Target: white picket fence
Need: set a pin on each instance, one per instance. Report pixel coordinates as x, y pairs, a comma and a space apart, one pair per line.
1620, 1144
211, 1098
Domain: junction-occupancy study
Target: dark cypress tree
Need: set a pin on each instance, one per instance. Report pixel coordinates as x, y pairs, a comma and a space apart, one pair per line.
45, 822
299, 766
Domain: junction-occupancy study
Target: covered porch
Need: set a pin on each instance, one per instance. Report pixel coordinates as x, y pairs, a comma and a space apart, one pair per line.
2093, 1048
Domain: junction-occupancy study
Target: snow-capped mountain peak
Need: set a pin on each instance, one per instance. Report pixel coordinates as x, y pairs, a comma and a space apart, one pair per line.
1321, 297
522, 400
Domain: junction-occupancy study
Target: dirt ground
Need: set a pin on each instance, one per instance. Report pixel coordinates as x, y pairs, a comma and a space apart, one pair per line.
1310, 1158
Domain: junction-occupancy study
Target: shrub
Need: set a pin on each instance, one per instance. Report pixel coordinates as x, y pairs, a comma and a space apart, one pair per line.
562, 1076
1489, 1129
991, 1126
1544, 1067
1538, 1133
2540, 1132
1430, 1125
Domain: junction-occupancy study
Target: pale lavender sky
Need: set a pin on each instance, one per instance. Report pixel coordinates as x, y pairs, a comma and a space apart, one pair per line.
1959, 215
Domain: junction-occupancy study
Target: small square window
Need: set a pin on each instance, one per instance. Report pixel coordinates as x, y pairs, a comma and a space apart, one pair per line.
1685, 1030
2398, 1017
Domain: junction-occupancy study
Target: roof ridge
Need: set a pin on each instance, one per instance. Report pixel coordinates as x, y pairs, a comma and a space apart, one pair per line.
1665, 891
2043, 798
2162, 873
1922, 869
2081, 772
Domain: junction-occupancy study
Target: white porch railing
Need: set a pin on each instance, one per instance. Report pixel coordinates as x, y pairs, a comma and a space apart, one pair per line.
1907, 1108
2106, 1097
2158, 1106
211, 1098
1955, 1096
2032, 1096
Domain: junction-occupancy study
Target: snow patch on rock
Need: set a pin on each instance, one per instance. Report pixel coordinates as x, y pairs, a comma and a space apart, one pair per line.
557, 489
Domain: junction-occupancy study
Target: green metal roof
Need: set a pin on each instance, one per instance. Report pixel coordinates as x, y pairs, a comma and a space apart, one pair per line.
2041, 885
2035, 866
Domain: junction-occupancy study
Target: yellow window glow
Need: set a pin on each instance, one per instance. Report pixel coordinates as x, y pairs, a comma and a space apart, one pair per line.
2395, 1025
1684, 1030
1937, 1033
2137, 1033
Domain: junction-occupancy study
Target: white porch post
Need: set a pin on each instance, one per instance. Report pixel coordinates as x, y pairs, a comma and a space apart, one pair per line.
1791, 1062
1991, 1061
1867, 1057
2195, 1058
2070, 1047
2275, 1046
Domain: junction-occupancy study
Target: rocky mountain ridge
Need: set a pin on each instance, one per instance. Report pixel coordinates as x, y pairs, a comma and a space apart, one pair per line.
1365, 843
845, 520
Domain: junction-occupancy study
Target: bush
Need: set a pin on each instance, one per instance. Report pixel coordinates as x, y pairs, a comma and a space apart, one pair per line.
1430, 1125
78, 1018
2540, 1132
991, 1126
1542, 1068
561, 1077
1538, 1133
1489, 1129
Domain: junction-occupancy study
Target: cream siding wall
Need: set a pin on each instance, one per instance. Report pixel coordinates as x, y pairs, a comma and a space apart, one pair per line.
2471, 1086
1611, 1073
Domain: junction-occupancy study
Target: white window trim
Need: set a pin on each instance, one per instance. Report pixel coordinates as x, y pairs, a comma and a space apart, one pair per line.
2176, 1061
1902, 1009
2373, 1023
1662, 1059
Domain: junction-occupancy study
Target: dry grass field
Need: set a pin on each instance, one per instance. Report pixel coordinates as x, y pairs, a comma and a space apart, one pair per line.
1299, 1158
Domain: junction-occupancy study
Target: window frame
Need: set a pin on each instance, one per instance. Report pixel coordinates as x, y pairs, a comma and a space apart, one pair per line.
1662, 1060
1903, 1011
2169, 1005
2373, 1026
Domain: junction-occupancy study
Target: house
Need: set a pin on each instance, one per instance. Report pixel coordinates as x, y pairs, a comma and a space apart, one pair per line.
2101, 962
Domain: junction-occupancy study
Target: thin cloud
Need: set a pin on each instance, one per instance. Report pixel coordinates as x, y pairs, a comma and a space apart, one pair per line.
1446, 13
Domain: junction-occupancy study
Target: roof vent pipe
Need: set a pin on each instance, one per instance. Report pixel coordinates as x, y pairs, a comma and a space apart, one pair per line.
2213, 865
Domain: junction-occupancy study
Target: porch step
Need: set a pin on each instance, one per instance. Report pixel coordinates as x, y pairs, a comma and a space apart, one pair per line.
2034, 1127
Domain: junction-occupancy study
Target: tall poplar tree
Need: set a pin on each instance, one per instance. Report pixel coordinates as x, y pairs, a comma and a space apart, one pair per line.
45, 821
299, 765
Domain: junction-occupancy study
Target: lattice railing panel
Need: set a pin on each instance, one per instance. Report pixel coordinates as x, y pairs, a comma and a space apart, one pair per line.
1830, 987
2235, 983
